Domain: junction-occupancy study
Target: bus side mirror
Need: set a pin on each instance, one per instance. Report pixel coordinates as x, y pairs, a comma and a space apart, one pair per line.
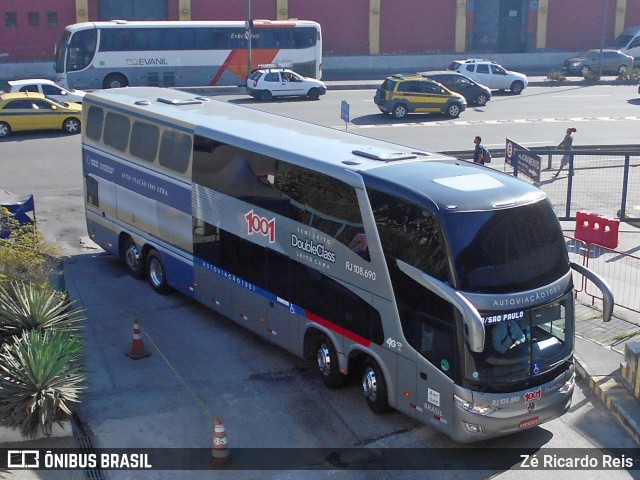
473, 325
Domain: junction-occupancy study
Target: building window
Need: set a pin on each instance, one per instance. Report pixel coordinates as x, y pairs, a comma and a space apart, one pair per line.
11, 19
34, 19
52, 19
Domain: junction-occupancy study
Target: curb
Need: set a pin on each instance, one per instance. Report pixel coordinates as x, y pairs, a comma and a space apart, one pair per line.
8, 435
611, 390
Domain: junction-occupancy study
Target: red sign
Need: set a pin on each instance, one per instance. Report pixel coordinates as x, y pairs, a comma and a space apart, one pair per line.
260, 225
531, 422
529, 396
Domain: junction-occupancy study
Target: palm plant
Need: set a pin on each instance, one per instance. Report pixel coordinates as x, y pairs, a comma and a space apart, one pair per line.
40, 379
27, 307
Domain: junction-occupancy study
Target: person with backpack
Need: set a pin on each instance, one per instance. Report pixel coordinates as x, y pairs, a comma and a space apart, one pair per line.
480, 155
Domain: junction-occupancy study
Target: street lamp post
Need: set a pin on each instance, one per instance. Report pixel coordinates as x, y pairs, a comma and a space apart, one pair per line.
249, 34
604, 30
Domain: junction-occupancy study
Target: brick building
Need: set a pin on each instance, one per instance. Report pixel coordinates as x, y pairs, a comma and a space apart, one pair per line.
29, 28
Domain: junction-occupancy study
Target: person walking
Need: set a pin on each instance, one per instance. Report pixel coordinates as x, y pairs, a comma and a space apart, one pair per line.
478, 152
565, 144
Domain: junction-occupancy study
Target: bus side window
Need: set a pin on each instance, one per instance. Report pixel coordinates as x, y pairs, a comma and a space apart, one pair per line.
175, 151
95, 121
437, 343
116, 131
92, 191
144, 141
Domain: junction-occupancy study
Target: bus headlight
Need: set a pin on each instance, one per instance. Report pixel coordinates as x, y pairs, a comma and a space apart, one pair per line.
568, 385
474, 408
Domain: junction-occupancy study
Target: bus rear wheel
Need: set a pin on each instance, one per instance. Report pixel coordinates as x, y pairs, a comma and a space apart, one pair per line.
374, 387
115, 80
328, 367
133, 258
156, 272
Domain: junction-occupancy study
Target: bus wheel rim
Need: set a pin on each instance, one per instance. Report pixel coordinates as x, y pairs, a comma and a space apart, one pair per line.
132, 256
155, 273
370, 384
324, 359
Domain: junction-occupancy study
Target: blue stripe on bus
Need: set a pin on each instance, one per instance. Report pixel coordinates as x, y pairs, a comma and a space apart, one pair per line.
293, 308
144, 182
249, 286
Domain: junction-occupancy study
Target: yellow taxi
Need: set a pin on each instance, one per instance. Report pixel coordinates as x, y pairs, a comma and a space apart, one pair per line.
34, 111
402, 94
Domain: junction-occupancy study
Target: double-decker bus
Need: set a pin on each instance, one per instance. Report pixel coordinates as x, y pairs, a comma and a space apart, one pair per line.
122, 53
445, 286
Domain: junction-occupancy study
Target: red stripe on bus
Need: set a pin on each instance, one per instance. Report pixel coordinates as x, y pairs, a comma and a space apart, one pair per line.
338, 329
236, 62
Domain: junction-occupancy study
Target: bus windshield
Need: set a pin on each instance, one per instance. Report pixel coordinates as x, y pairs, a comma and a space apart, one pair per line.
61, 47
501, 251
532, 343
81, 48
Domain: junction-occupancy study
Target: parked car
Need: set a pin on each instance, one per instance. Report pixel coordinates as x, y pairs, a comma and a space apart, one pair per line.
33, 111
471, 90
402, 94
46, 87
282, 82
629, 42
611, 61
490, 74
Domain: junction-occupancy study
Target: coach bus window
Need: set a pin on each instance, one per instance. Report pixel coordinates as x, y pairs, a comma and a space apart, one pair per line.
144, 141
92, 191
304, 37
95, 119
116, 131
322, 202
321, 295
175, 151
412, 234
305, 196
115, 40
502, 250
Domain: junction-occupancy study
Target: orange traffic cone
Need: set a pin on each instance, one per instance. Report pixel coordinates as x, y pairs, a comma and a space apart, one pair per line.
220, 454
137, 347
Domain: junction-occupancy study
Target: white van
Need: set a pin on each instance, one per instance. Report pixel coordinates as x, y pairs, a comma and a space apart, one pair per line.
629, 43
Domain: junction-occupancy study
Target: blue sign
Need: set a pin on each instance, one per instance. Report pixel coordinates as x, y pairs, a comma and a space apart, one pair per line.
344, 111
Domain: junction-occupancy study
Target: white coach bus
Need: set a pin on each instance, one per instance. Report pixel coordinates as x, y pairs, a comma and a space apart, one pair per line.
444, 286
124, 53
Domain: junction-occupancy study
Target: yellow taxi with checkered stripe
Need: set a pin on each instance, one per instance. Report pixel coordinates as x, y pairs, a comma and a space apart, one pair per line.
34, 111
403, 94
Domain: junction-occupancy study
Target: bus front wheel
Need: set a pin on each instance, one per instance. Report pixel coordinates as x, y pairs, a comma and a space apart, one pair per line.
156, 272
328, 367
133, 259
374, 387
115, 80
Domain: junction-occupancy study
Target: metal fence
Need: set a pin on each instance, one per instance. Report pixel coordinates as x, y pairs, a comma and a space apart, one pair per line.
620, 269
599, 179
605, 182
